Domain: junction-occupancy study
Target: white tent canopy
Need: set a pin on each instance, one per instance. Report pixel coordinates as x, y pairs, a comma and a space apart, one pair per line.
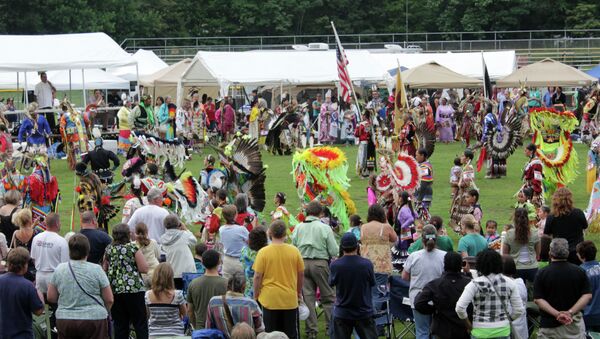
547, 73
433, 75
278, 67
470, 64
61, 51
148, 63
168, 76
94, 78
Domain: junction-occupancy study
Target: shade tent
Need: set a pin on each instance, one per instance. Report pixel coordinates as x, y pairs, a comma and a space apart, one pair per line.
547, 73
168, 76
434, 75
61, 51
595, 72
470, 64
148, 63
277, 67
94, 78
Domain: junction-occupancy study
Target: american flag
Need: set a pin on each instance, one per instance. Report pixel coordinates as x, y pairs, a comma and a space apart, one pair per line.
342, 63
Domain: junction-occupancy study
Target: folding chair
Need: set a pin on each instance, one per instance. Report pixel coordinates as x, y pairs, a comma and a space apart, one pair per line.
380, 294
400, 307
533, 317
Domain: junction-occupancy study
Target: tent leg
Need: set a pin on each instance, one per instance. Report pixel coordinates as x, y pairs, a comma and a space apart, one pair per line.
25, 89
83, 88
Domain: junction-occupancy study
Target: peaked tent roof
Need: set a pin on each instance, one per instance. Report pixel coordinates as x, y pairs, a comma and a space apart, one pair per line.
546, 73
434, 75
595, 72
61, 51
148, 63
167, 76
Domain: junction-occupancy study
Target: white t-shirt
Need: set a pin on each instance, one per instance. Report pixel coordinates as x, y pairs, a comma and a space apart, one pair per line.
153, 216
423, 267
48, 250
43, 94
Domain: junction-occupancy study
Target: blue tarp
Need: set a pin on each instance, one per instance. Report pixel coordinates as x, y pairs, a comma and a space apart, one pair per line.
394, 70
595, 72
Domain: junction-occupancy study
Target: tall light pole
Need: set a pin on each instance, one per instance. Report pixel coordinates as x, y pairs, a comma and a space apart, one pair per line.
405, 22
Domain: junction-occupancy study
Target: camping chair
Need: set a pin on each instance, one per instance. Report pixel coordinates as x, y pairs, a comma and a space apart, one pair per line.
533, 317
400, 307
380, 294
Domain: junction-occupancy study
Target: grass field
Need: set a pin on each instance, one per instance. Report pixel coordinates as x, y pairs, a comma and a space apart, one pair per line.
496, 194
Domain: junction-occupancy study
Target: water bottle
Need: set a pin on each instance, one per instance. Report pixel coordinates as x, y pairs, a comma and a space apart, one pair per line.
502, 240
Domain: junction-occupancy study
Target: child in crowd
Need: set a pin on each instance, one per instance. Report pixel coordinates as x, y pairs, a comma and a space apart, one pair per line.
355, 223
199, 249
524, 201
281, 213
372, 190
455, 174
475, 208
491, 231
424, 192
542, 214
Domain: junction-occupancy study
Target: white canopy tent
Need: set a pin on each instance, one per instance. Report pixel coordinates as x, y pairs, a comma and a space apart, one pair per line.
547, 73
470, 64
259, 68
164, 82
148, 63
434, 75
94, 78
34, 53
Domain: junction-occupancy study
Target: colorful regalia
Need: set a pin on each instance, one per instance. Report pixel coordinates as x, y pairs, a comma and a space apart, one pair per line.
74, 134
407, 138
552, 136
91, 196
469, 109
124, 130
320, 174
159, 151
191, 198
593, 164
592, 212
533, 177
424, 192
328, 124
459, 205
500, 139
365, 159
11, 178
41, 191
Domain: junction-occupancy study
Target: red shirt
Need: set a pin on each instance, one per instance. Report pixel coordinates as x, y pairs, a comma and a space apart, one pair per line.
209, 108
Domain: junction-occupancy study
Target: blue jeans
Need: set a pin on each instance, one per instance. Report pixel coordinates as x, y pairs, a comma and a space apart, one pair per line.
343, 329
527, 275
422, 324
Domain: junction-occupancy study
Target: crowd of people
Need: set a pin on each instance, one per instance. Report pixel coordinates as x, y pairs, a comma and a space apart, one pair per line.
248, 274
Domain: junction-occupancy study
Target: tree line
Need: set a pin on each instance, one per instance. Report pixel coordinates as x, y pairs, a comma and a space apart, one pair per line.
188, 18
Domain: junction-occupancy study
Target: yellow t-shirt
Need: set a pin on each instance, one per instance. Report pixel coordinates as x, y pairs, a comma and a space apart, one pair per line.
280, 265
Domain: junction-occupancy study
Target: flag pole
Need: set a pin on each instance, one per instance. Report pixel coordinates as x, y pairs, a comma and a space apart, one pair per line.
485, 94
337, 39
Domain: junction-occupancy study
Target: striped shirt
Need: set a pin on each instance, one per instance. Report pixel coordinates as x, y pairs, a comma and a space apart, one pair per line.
164, 319
242, 309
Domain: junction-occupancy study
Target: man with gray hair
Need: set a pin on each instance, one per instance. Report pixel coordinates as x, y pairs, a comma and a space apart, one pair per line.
241, 308
98, 239
561, 290
153, 215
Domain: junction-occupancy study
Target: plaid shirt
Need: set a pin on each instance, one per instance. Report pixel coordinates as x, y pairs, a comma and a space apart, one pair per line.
242, 309
489, 305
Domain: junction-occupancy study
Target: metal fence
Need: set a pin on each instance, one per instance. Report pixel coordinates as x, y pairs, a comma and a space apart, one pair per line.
580, 48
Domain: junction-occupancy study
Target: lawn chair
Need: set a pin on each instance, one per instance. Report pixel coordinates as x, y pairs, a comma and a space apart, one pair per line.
400, 307
380, 294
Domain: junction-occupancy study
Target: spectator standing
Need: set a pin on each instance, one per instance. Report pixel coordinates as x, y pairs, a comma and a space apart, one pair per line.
586, 251
82, 292
23, 237
43, 96
566, 222
509, 269
202, 289
176, 244
245, 216
233, 238
166, 305
149, 248
316, 243
48, 250
124, 263
353, 278
420, 268
561, 291
153, 215
233, 308
257, 239
558, 97
19, 298
377, 237
12, 201
440, 295
523, 245
491, 294
278, 279
472, 242
98, 239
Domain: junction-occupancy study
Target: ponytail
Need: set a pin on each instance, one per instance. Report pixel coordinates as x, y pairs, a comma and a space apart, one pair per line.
430, 242
141, 234
429, 237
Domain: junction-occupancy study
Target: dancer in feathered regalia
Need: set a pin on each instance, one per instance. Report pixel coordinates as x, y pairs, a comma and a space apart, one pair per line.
593, 163
245, 172
460, 203
191, 198
41, 191
552, 136
365, 160
321, 174
73, 133
91, 196
533, 175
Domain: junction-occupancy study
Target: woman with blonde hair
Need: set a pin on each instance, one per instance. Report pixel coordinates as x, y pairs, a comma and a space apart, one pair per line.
149, 248
566, 221
165, 305
12, 199
23, 237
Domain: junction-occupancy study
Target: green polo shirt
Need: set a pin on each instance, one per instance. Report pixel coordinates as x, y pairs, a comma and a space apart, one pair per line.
315, 240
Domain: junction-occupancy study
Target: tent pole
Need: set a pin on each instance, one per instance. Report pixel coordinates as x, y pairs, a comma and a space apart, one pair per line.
137, 83
70, 86
83, 87
25, 89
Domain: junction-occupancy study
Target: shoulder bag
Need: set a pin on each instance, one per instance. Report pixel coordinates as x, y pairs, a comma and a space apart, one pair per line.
228, 316
108, 318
